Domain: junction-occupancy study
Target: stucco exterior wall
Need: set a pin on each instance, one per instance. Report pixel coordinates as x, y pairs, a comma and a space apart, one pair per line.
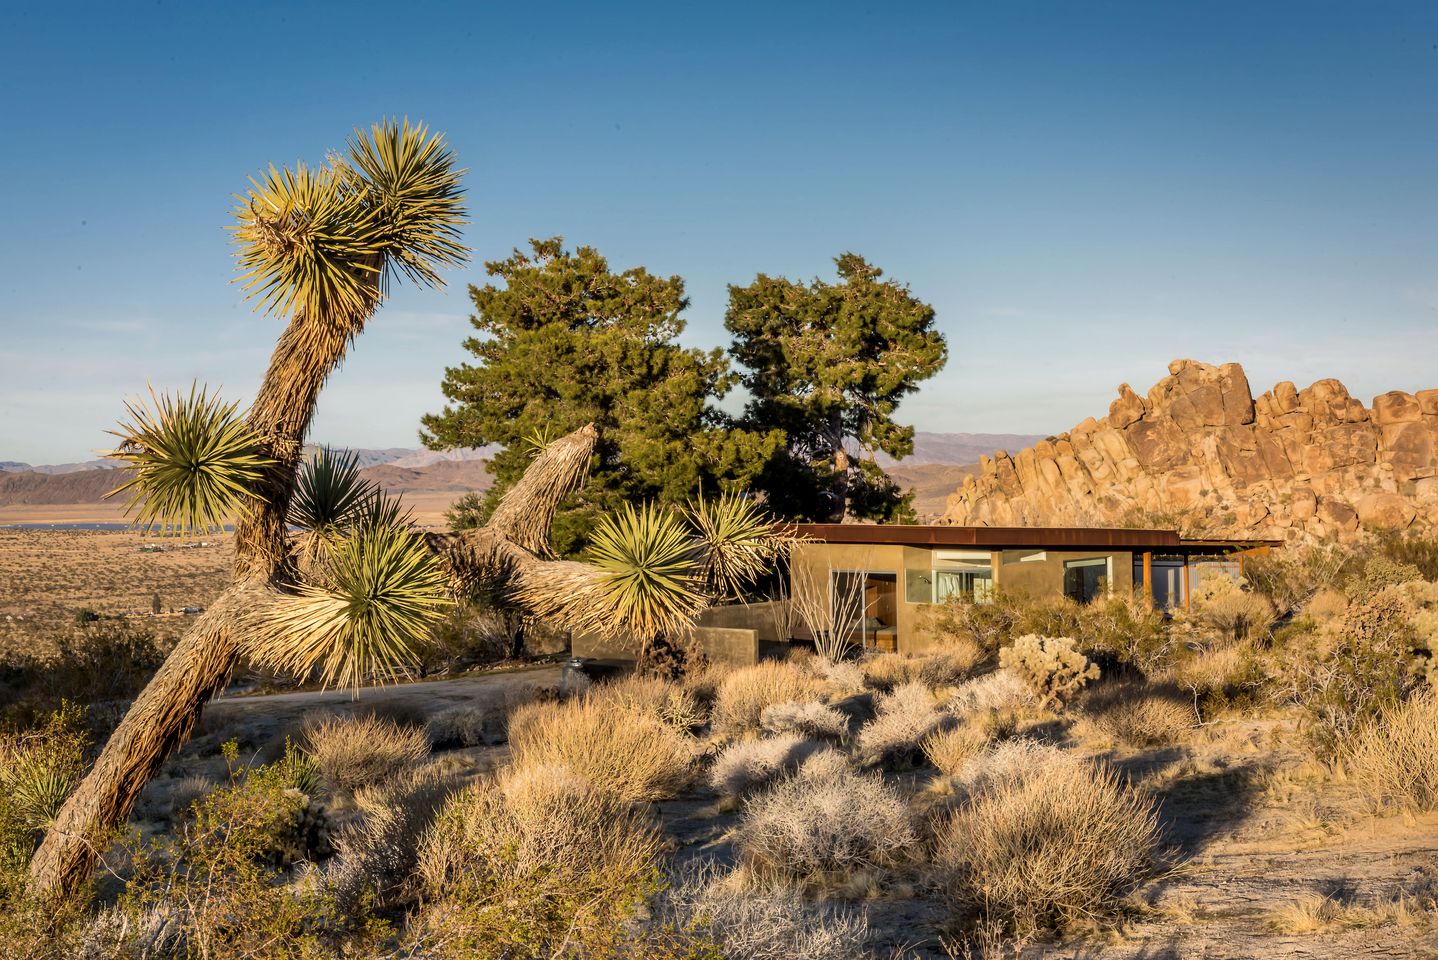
1046, 577
812, 565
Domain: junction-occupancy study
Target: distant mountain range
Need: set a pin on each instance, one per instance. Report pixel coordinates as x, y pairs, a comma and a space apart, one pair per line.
929, 448
938, 466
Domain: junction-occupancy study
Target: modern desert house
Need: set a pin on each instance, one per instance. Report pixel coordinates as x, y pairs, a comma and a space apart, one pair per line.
882, 578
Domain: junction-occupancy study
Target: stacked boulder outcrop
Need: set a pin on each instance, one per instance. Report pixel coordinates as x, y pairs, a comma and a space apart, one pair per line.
1293, 464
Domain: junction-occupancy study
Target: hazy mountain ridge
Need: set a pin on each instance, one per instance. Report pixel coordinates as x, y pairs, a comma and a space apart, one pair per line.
940, 463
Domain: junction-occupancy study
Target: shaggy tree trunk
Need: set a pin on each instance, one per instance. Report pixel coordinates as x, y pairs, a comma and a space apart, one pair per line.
159, 721
162, 717
165, 713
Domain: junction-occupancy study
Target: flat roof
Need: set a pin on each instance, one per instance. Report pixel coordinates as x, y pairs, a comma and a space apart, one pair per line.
1002, 538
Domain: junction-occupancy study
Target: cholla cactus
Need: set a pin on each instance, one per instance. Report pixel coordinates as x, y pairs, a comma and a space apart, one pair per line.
1052, 667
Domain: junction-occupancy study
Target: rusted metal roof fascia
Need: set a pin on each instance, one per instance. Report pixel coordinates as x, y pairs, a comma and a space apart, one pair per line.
1050, 538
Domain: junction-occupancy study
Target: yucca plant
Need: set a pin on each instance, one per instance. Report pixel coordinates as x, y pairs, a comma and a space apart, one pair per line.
384, 594
737, 543
649, 566
192, 462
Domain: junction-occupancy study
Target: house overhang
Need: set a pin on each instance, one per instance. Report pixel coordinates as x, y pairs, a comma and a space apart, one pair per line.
1022, 538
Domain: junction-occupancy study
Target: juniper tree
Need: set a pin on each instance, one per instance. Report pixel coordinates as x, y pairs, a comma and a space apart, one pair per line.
828, 364
565, 340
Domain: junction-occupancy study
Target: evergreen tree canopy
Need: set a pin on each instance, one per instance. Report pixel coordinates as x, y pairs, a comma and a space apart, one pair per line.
566, 341
828, 365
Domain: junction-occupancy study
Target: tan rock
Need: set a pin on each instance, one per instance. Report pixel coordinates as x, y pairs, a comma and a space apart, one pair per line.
1395, 406
1386, 511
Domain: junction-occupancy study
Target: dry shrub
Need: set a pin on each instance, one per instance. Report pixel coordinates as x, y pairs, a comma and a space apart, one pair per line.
539, 863
747, 765
843, 679
742, 696
824, 825
1219, 677
885, 671
773, 923
1011, 763
1326, 605
1063, 842
1394, 758
902, 720
1052, 667
949, 750
354, 752
634, 755
662, 699
1000, 690
465, 727
1139, 716
805, 719
377, 851
1224, 606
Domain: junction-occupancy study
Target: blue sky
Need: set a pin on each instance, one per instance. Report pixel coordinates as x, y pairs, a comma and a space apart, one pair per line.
1083, 190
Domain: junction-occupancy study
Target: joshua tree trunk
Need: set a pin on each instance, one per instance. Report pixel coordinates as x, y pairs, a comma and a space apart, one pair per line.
166, 711
163, 715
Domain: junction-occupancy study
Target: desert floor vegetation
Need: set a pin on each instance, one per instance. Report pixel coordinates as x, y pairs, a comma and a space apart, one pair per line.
1225, 791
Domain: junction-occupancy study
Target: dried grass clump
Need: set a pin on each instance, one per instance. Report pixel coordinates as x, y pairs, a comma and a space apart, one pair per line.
805, 719
824, 825
1061, 843
632, 754
540, 862
662, 699
1326, 605
885, 671
1053, 668
774, 923
1394, 758
997, 691
1226, 607
1140, 717
949, 750
747, 765
742, 696
904, 718
355, 752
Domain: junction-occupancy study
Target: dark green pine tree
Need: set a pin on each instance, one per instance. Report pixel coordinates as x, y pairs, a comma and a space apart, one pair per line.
564, 342
828, 365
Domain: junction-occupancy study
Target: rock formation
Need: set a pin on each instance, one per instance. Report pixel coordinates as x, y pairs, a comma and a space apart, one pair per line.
1293, 464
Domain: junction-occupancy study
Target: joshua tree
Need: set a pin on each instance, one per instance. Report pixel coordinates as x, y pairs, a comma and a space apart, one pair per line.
353, 595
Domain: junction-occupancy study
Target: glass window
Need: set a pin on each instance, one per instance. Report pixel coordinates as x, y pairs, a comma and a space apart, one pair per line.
973, 581
1085, 580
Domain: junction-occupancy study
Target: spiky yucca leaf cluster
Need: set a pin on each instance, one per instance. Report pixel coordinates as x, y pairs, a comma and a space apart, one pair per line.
39, 769
648, 564
385, 591
193, 462
737, 542
324, 240
659, 569
332, 498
